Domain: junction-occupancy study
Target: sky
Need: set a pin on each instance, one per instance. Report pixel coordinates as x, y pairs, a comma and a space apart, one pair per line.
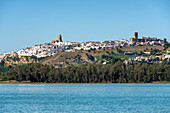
25, 23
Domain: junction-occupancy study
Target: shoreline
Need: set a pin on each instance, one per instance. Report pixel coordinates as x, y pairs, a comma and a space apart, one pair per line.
14, 81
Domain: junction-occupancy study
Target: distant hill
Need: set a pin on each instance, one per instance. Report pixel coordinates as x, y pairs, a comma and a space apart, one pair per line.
68, 67
64, 59
78, 57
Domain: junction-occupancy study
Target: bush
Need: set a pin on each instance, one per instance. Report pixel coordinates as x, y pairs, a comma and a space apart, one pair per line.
103, 56
90, 57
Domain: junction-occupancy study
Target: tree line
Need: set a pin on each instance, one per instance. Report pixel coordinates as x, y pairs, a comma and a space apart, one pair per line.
117, 72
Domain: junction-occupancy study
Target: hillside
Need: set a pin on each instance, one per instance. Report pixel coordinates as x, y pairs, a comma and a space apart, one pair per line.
77, 57
64, 59
67, 63
20, 60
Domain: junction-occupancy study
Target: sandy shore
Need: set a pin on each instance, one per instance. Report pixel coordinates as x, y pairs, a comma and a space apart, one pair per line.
14, 81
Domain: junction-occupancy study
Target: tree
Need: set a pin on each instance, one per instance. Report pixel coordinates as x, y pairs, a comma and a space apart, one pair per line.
117, 71
115, 60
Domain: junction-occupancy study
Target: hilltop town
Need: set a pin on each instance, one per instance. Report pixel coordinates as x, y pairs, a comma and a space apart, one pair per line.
121, 60
57, 46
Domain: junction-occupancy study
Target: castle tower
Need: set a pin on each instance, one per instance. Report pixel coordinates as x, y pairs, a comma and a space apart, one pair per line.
136, 35
60, 38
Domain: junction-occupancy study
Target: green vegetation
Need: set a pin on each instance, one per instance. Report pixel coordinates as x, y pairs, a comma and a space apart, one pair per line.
90, 57
166, 46
64, 59
13, 58
116, 72
87, 66
5, 69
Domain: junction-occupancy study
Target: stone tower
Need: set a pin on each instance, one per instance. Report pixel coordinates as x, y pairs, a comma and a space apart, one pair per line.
60, 38
136, 35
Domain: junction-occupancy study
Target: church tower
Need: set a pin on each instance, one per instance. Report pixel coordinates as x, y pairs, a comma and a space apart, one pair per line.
60, 38
136, 35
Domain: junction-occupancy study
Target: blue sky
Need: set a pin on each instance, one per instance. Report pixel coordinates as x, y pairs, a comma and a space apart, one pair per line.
24, 23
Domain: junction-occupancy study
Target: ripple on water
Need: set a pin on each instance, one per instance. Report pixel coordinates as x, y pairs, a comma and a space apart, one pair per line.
85, 97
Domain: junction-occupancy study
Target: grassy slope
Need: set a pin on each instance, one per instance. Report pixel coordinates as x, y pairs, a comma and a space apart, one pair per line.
79, 57
141, 48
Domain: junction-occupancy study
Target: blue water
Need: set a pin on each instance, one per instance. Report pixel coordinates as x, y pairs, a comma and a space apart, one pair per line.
84, 98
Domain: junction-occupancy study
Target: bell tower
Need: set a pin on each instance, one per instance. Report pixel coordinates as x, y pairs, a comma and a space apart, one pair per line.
136, 35
60, 38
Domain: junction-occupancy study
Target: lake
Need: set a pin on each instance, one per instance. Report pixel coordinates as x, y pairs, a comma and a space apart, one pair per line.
84, 97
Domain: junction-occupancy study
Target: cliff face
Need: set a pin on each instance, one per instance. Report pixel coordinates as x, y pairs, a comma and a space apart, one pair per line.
18, 60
